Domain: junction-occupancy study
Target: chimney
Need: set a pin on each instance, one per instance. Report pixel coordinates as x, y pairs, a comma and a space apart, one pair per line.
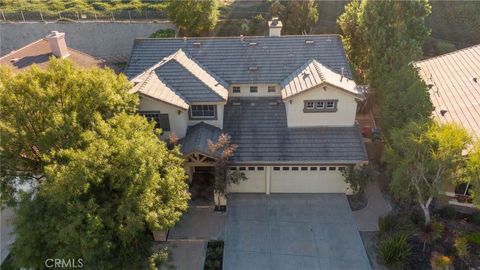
58, 44
275, 27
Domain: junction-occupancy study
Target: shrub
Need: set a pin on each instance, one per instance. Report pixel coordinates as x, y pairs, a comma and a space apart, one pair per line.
441, 262
214, 256
163, 33
443, 47
158, 259
358, 178
395, 252
476, 218
461, 247
431, 233
448, 213
473, 238
393, 223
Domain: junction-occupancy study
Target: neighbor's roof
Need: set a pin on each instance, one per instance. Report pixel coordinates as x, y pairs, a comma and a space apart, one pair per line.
454, 87
179, 80
39, 52
244, 59
259, 127
196, 140
312, 74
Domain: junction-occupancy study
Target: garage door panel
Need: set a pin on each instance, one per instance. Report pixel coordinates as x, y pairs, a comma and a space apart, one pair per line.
255, 183
307, 182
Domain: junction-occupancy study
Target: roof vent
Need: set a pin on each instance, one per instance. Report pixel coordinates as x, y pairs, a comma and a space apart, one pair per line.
252, 104
342, 75
14, 60
475, 79
253, 68
430, 85
443, 112
253, 44
235, 103
309, 42
306, 74
273, 103
196, 44
242, 37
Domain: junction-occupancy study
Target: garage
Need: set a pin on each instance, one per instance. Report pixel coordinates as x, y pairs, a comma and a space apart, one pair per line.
256, 180
307, 179
290, 179
292, 231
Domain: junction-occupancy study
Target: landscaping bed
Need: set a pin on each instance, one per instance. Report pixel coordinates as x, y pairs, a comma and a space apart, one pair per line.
214, 256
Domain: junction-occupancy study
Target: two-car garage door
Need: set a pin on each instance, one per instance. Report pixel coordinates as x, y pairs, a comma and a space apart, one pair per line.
292, 179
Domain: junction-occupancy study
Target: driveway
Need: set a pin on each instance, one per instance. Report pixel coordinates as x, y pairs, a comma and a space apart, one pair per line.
292, 231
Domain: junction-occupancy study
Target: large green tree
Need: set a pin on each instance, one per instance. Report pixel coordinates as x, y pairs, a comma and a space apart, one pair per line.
472, 171
298, 17
102, 200
43, 111
424, 158
193, 17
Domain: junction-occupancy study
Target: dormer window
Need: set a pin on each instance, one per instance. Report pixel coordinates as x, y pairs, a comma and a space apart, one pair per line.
253, 89
329, 105
236, 89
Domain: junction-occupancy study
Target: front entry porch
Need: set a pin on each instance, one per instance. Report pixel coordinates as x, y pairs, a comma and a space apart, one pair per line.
200, 168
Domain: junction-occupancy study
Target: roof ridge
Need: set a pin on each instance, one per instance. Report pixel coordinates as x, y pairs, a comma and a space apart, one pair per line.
238, 37
447, 54
318, 67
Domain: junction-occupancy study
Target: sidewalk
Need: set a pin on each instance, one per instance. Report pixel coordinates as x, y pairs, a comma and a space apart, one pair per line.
367, 218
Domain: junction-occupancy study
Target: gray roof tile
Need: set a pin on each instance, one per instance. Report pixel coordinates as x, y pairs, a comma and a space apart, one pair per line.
196, 139
259, 127
231, 57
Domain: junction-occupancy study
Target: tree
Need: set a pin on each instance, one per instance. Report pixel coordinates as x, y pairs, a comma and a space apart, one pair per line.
472, 171
407, 99
102, 200
193, 17
358, 178
224, 151
43, 111
424, 157
298, 17
353, 38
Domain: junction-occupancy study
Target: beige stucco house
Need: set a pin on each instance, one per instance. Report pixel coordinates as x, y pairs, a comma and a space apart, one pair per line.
288, 102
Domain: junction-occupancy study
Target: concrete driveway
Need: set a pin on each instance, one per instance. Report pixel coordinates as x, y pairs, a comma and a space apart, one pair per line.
292, 231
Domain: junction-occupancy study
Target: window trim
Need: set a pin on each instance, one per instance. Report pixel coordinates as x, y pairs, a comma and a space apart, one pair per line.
254, 87
215, 117
271, 89
234, 88
315, 109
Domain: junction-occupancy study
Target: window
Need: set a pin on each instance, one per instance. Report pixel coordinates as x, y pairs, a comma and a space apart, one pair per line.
233, 168
260, 168
313, 168
236, 89
251, 168
341, 169
271, 89
323, 168
161, 119
329, 105
276, 168
294, 168
242, 168
332, 168
304, 168
253, 89
285, 168
203, 112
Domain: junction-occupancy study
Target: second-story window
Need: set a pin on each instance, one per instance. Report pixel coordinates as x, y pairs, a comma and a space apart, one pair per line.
253, 89
328, 105
203, 112
236, 89
271, 89
161, 119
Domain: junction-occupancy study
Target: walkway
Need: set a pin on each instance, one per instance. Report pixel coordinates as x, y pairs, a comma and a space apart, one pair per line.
367, 218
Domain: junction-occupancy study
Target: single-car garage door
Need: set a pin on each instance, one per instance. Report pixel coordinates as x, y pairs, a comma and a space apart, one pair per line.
311, 179
255, 183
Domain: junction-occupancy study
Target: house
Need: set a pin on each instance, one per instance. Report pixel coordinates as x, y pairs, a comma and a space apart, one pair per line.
288, 102
40, 51
454, 86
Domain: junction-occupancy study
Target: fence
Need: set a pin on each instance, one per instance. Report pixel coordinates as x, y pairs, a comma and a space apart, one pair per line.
124, 15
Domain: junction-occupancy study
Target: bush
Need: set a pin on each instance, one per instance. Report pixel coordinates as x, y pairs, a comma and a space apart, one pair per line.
214, 256
395, 252
158, 259
473, 238
430, 233
461, 247
448, 213
358, 178
441, 262
476, 218
394, 223
163, 33
443, 47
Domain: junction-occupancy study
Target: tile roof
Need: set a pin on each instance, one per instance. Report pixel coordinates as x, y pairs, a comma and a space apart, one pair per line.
196, 139
179, 80
312, 74
259, 127
39, 52
244, 59
454, 88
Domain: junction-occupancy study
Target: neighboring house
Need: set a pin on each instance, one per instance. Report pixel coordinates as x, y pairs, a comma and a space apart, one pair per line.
288, 102
40, 51
454, 86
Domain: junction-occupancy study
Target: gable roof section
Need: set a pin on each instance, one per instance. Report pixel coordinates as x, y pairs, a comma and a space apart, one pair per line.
39, 52
259, 127
454, 88
179, 80
196, 139
231, 58
312, 74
